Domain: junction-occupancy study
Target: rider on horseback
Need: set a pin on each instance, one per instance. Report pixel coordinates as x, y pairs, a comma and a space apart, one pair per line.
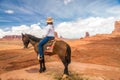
48, 36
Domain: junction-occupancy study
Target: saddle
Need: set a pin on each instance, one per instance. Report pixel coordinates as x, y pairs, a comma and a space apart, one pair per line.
48, 47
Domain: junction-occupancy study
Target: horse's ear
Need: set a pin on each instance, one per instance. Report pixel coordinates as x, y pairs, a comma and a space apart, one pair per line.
22, 34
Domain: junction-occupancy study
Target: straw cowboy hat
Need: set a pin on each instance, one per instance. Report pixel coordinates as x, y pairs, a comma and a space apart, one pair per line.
49, 20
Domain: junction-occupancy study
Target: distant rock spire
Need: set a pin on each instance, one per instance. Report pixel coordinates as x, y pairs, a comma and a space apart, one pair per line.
116, 27
87, 34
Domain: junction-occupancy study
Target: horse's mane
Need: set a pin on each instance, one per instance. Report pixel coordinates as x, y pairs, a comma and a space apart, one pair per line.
36, 39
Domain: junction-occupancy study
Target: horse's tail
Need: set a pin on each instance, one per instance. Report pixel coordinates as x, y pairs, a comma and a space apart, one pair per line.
68, 54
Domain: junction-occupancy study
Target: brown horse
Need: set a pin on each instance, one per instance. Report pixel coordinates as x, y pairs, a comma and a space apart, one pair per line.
60, 47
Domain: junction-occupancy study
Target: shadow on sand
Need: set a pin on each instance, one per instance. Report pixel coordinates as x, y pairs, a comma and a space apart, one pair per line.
32, 70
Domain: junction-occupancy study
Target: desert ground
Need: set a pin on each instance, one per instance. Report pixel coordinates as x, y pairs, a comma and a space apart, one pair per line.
93, 58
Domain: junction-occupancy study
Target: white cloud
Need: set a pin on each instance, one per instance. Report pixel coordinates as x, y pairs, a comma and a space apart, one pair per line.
93, 25
75, 29
67, 1
34, 29
1, 33
9, 11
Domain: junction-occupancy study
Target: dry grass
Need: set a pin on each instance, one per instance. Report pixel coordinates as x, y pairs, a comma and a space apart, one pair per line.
72, 76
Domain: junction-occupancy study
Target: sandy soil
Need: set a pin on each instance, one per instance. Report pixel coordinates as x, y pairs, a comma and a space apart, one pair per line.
90, 71
97, 58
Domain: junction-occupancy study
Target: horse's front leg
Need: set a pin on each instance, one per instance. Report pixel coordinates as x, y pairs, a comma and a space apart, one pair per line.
41, 69
42, 65
44, 68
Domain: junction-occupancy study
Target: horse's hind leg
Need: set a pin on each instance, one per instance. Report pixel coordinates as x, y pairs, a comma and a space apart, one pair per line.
66, 67
65, 63
65, 75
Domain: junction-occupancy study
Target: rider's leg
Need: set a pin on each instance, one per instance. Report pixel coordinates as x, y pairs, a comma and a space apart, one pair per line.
40, 46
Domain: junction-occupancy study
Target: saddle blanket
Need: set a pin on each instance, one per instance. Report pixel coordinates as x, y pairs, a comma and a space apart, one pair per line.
49, 46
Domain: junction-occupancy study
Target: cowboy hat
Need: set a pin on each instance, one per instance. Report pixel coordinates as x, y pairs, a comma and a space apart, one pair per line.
49, 20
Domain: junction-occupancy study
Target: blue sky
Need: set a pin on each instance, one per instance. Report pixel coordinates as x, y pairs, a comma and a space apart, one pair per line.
17, 12
28, 12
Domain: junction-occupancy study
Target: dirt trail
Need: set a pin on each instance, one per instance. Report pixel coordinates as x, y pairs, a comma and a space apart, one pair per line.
90, 71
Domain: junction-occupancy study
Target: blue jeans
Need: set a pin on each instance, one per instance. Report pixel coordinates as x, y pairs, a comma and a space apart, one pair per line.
41, 44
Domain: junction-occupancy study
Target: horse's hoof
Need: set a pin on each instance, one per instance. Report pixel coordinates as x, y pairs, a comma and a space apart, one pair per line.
44, 69
64, 76
40, 70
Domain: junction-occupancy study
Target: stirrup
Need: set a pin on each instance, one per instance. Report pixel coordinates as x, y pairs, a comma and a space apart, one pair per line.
40, 57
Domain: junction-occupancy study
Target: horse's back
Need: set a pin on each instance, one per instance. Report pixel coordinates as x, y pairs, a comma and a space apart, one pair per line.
61, 43
60, 46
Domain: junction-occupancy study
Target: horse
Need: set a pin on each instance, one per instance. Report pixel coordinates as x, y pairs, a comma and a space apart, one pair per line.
61, 48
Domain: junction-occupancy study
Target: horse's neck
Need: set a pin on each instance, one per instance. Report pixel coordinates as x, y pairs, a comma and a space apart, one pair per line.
33, 42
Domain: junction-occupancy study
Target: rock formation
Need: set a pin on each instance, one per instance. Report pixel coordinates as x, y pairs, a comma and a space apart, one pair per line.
87, 34
116, 27
11, 37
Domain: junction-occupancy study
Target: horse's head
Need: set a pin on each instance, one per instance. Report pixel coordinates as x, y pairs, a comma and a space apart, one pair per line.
25, 40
